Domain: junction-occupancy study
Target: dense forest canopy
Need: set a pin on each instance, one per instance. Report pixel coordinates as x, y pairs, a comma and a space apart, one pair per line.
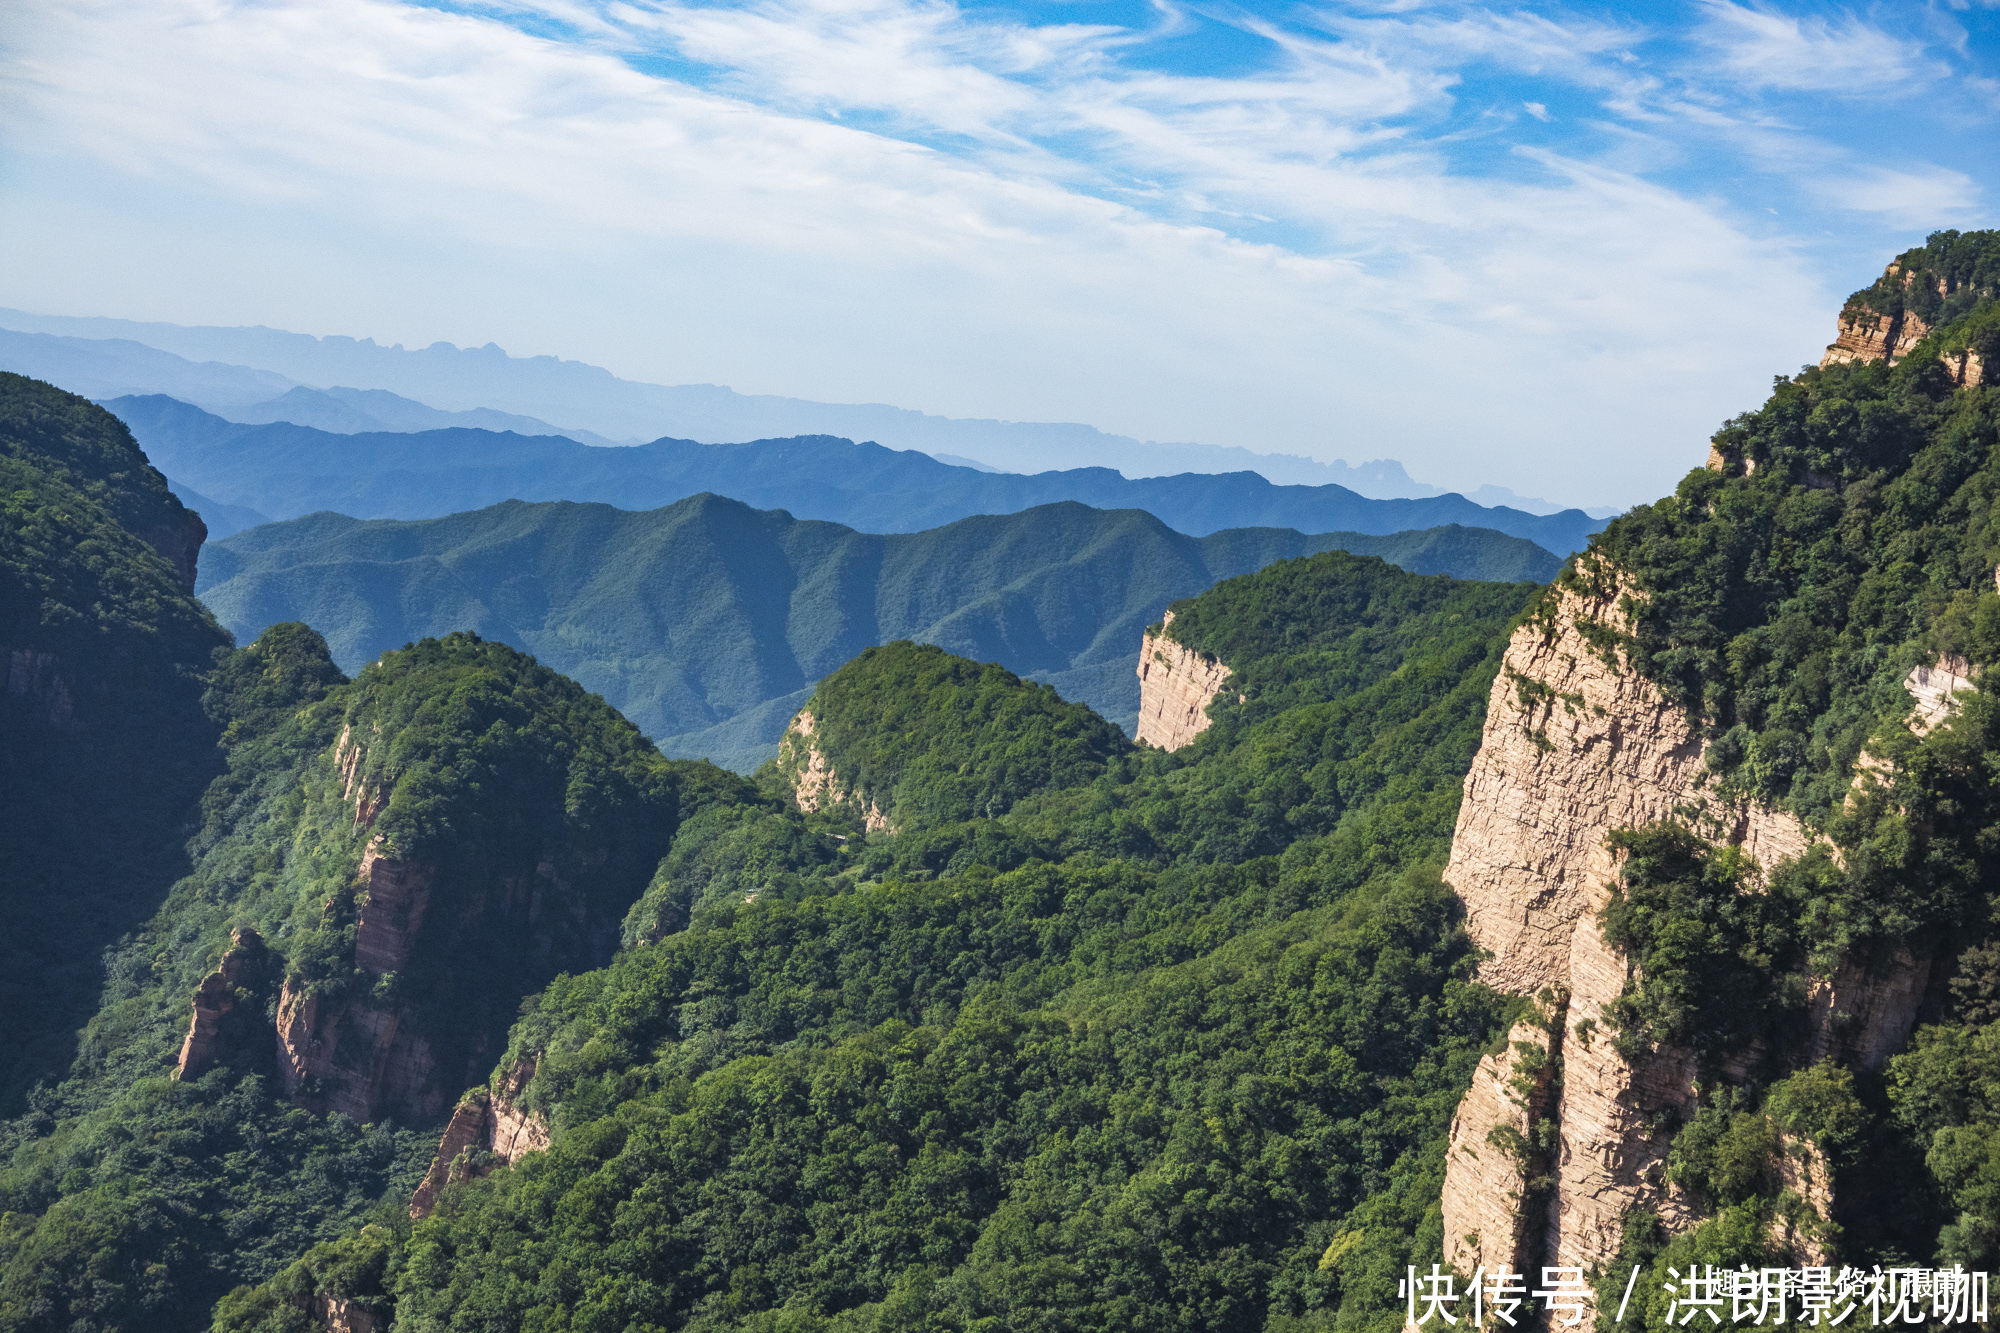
1091, 1036
1222, 993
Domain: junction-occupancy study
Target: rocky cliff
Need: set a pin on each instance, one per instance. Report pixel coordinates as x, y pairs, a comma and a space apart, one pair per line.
815, 785
217, 998
489, 1129
1884, 323
401, 1029
1576, 745
357, 1054
1176, 685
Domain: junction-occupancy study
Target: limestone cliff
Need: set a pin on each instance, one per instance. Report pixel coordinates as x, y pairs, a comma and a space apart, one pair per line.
1176, 686
815, 784
1577, 744
488, 1129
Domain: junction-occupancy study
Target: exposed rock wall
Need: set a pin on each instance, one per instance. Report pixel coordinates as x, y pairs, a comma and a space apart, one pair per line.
1176, 685
179, 539
1576, 746
342, 1316
487, 1121
1492, 1155
214, 999
1867, 336
1967, 368
357, 1054
814, 783
354, 1056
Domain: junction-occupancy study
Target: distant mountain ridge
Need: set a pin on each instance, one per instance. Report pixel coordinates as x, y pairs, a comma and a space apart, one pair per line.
595, 405
284, 471
706, 622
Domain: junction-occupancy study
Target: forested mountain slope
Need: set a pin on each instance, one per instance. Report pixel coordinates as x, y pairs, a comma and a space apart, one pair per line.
103, 743
380, 872
284, 471
1167, 1042
711, 617
1220, 992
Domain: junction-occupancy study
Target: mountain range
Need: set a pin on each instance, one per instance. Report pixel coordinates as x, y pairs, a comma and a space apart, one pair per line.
1641, 928
706, 622
282, 470
244, 373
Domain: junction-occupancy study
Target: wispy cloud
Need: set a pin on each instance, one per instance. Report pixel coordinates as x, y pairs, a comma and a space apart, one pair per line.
1845, 56
1491, 243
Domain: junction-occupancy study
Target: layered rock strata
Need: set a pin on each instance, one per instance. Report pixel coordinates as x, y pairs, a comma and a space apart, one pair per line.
489, 1122
1176, 686
1576, 745
1493, 1154
1867, 336
814, 783
214, 999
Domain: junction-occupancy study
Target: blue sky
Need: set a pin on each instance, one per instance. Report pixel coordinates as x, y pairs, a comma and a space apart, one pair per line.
1543, 246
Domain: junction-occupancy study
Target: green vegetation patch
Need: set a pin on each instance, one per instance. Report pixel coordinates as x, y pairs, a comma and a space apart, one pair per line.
930, 738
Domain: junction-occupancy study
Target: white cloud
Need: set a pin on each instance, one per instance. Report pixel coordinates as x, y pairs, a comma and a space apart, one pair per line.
1766, 48
1036, 226
1927, 196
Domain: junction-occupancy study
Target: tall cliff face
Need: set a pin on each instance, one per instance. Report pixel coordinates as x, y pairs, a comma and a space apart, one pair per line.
1576, 745
1176, 686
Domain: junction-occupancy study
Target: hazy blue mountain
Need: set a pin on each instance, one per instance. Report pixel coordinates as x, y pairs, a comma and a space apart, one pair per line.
222, 520
285, 471
703, 620
586, 396
109, 367
348, 411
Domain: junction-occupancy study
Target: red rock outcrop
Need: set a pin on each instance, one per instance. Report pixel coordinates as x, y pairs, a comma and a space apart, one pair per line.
1176, 685
355, 1056
214, 998
486, 1121
392, 913
814, 783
